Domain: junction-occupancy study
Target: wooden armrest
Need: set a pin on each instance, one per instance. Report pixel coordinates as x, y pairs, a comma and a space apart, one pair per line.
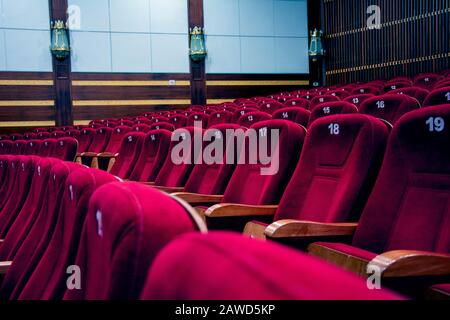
169, 189
408, 263
108, 155
4, 267
89, 154
296, 228
239, 210
195, 198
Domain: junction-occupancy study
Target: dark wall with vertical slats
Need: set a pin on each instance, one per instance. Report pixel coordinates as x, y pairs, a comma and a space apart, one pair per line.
414, 38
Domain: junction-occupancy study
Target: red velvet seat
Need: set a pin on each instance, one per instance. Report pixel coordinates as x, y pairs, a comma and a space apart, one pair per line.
162, 126
250, 118
128, 154
85, 139
426, 80
414, 92
322, 99
57, 134
17, 147
366, 89
438, 97
236, 268
271, 107
389, 107
176, 174
358, 99
159, 119
73, 133
18, 192
340, 93
219, 117
5, 147
30, 136
143, 121
140, 128
394, 85
27, 252
239, 113
44, 135
212, 178
295, 114
298, 102
331, 108
126, 123
198, 117
65, 149
16, 136
47, 148
48, 280
249, 185
115, 263
116, 139
32, 147
11, 164
341, 158
406, 210
152, 156
29, 211
179, 121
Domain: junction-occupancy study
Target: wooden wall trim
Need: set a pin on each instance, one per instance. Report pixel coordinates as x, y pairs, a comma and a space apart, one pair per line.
62, 72
198, 69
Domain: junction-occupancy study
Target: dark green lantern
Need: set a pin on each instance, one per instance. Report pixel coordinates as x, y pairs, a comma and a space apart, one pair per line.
316, 50
197, 51
60, 42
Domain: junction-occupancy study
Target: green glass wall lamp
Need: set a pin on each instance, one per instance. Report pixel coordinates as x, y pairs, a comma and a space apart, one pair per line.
197, 52
60, 41
316, 50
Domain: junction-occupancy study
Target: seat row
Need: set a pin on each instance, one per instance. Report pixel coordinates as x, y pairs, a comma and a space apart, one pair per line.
74, 233
63, 148
347, 192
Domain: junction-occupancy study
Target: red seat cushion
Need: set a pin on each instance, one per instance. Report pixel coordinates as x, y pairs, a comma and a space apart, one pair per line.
237, 268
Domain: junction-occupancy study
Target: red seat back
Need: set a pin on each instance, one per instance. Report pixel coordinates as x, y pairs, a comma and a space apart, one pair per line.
414, 92
128, 154
212, 178
248, 185
271, 106
412, 190
5, 147
198, 117
85, 139
116, 139
32, 147
162, 126
100, 140
174, 174
358, 99
294, 114
438, 97
219, 117
48, 280
152, 156
322, 99
331, 108
115, 263
298, 102
341, 158
250, 118
65, 149
389, 107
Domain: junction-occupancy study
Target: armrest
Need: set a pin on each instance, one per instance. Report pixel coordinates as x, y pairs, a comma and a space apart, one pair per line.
234, 217
296, 228
89, 154
4, 267
169, 189
406, 263
108, 155
225, 210
195, 198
